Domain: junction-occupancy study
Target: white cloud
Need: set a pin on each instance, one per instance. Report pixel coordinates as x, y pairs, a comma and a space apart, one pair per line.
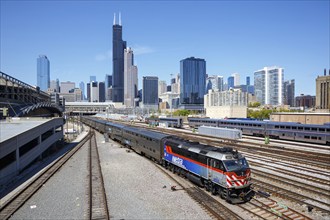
138, 49
104, 56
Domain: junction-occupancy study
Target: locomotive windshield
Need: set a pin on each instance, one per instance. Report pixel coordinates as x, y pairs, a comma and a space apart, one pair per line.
233, 165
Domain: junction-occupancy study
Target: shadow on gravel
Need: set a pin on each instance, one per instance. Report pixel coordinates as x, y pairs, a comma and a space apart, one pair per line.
35, 167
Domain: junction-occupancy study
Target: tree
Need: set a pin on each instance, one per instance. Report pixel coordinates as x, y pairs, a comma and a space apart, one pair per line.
183, 112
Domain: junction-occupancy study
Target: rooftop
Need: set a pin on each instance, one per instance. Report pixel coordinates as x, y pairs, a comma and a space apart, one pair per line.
16, 126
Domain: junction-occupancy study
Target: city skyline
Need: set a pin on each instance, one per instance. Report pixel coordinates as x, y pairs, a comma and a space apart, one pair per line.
232, 37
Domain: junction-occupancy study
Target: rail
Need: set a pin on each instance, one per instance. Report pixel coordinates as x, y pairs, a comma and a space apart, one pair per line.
14, 203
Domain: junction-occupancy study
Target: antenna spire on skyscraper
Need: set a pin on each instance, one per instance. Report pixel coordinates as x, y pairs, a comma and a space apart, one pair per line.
119, 18
114, 18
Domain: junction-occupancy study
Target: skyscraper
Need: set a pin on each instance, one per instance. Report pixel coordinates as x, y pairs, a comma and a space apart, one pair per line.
118, 47
231, 82
43, 72
162, 87
247, 80
212, 83
92, 79
108, 87
55, 85
268, 85
220, 83
150, 92
192, 83
67, 87
130, 78
82, 88
236, 79
289, 95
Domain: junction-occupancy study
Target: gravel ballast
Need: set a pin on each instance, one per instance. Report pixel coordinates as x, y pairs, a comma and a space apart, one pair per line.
137, 189
64, 196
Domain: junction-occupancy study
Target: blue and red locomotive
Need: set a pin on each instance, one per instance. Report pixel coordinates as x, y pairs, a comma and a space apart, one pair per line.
222, 171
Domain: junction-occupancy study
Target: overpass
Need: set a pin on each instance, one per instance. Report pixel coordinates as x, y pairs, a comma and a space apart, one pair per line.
22, 99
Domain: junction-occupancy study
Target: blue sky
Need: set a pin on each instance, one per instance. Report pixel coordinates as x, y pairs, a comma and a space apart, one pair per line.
239, 36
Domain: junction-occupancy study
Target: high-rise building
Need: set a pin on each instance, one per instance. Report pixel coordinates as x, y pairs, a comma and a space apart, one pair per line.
108, 81
118, 47
67, 87
94, 92
220, 83
55, 85
323, 91
237, 81
175, 84
150, 92
82, 88
268, 85
231, 82
130, 78
288, 95
108, 86
162, 87
43, 72
92, 79
101, 86
247, 80
192, 83
212, 82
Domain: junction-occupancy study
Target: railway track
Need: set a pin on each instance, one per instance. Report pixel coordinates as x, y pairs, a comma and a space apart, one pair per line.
98, 206
318, 205
299, 185
296, 163
268, 209
207, 202
13, 204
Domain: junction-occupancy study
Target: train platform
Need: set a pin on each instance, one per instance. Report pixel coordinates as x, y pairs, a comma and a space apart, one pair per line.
22, 140
33, 171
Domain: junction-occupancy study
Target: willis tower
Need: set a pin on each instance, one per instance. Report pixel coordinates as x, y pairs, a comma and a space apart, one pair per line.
118, 47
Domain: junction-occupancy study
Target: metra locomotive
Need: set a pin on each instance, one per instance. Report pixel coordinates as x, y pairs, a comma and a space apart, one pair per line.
222, 171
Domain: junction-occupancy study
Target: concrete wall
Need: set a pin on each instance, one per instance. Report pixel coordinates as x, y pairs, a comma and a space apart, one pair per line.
302, 118
226, 111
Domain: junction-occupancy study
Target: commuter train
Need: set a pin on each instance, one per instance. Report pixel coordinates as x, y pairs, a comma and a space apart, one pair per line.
222, 171
311, 133
175, 122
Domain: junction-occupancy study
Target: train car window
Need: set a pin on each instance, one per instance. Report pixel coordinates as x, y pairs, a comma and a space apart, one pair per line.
294, 128
307, 129
215, 164
314, 138
282, 127
287, 127
328, 130
300, 128
321, 129
306, 137
314, 129
319, 138
221, 166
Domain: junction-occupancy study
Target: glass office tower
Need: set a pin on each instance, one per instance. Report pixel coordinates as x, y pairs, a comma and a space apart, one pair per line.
150, 92
43, 72
118, 47
192, 83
